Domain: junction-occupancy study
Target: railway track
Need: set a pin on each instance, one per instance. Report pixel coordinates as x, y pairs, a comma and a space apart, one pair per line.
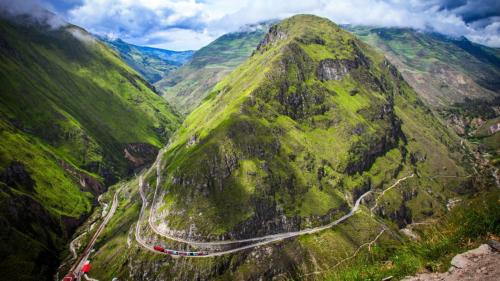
259, 241
254, 242
77, 266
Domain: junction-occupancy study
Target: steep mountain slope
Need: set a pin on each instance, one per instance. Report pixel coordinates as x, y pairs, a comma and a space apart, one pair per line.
152, 63
288, 141
189, 85
294, 126
73, 119
442, 69
456, 77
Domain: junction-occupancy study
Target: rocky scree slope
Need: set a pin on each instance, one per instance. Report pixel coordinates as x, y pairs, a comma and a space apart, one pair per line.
74, 118
291, 138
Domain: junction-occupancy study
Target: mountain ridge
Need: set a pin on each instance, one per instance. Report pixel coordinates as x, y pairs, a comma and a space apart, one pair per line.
74, 118
188, 85
153, 63
290, 140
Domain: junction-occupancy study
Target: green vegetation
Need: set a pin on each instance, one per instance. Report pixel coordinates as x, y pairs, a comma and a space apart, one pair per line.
465, 227
189, 85
474, 120
280, 140
441, 69
457, 78
309, 143
69, 107
152, 63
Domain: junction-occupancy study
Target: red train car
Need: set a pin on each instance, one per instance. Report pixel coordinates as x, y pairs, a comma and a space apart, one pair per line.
159, 248
86, 267
70, 277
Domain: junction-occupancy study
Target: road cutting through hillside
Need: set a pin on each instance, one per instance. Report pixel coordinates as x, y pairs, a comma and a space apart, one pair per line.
77, 266
263, 240
272, 236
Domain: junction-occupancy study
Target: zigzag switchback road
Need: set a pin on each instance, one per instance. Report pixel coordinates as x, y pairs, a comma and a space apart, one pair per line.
263, 239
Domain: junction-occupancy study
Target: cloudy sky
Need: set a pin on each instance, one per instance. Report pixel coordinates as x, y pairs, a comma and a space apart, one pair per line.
191, 24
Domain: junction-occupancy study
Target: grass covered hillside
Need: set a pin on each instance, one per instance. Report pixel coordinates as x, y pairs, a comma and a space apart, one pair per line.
73, 119
312, 120
442, 69
456, 77
152, 63
189, 85
290, 140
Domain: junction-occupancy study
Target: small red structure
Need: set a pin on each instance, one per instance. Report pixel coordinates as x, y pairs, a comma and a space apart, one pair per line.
70, 277
86, 267
159, 249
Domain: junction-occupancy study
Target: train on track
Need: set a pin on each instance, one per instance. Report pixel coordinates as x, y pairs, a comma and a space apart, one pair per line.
179, 253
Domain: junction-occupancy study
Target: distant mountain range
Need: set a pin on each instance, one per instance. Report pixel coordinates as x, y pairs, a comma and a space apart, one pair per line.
443, 69
188, 85
152, 63
446, 72
457, 78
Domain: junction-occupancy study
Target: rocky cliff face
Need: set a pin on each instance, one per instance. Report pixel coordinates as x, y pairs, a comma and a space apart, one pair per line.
139, 155
15, 175
330, 69
306, 118
290, 140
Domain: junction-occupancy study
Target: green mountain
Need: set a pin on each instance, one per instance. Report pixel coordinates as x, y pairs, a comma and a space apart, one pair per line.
188, 85
443, 69
456, 77
299, 125
288, 141
74, 118
453, 76
152, 63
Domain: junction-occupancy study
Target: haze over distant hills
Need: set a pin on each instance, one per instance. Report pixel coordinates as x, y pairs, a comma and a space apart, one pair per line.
191, 83
152, 63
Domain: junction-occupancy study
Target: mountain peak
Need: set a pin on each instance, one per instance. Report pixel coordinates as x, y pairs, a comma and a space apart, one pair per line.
315, 34
307, 119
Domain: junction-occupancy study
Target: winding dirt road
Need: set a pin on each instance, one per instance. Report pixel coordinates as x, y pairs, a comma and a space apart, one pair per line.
263, 240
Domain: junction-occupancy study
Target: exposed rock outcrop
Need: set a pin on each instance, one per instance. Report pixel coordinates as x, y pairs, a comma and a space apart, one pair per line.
139, 154
330, 69
15, 175
274, 35
87, 182
480, 264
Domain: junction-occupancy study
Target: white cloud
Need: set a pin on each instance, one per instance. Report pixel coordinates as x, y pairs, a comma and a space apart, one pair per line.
34, 9
190, 24
176, 39
80, 35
